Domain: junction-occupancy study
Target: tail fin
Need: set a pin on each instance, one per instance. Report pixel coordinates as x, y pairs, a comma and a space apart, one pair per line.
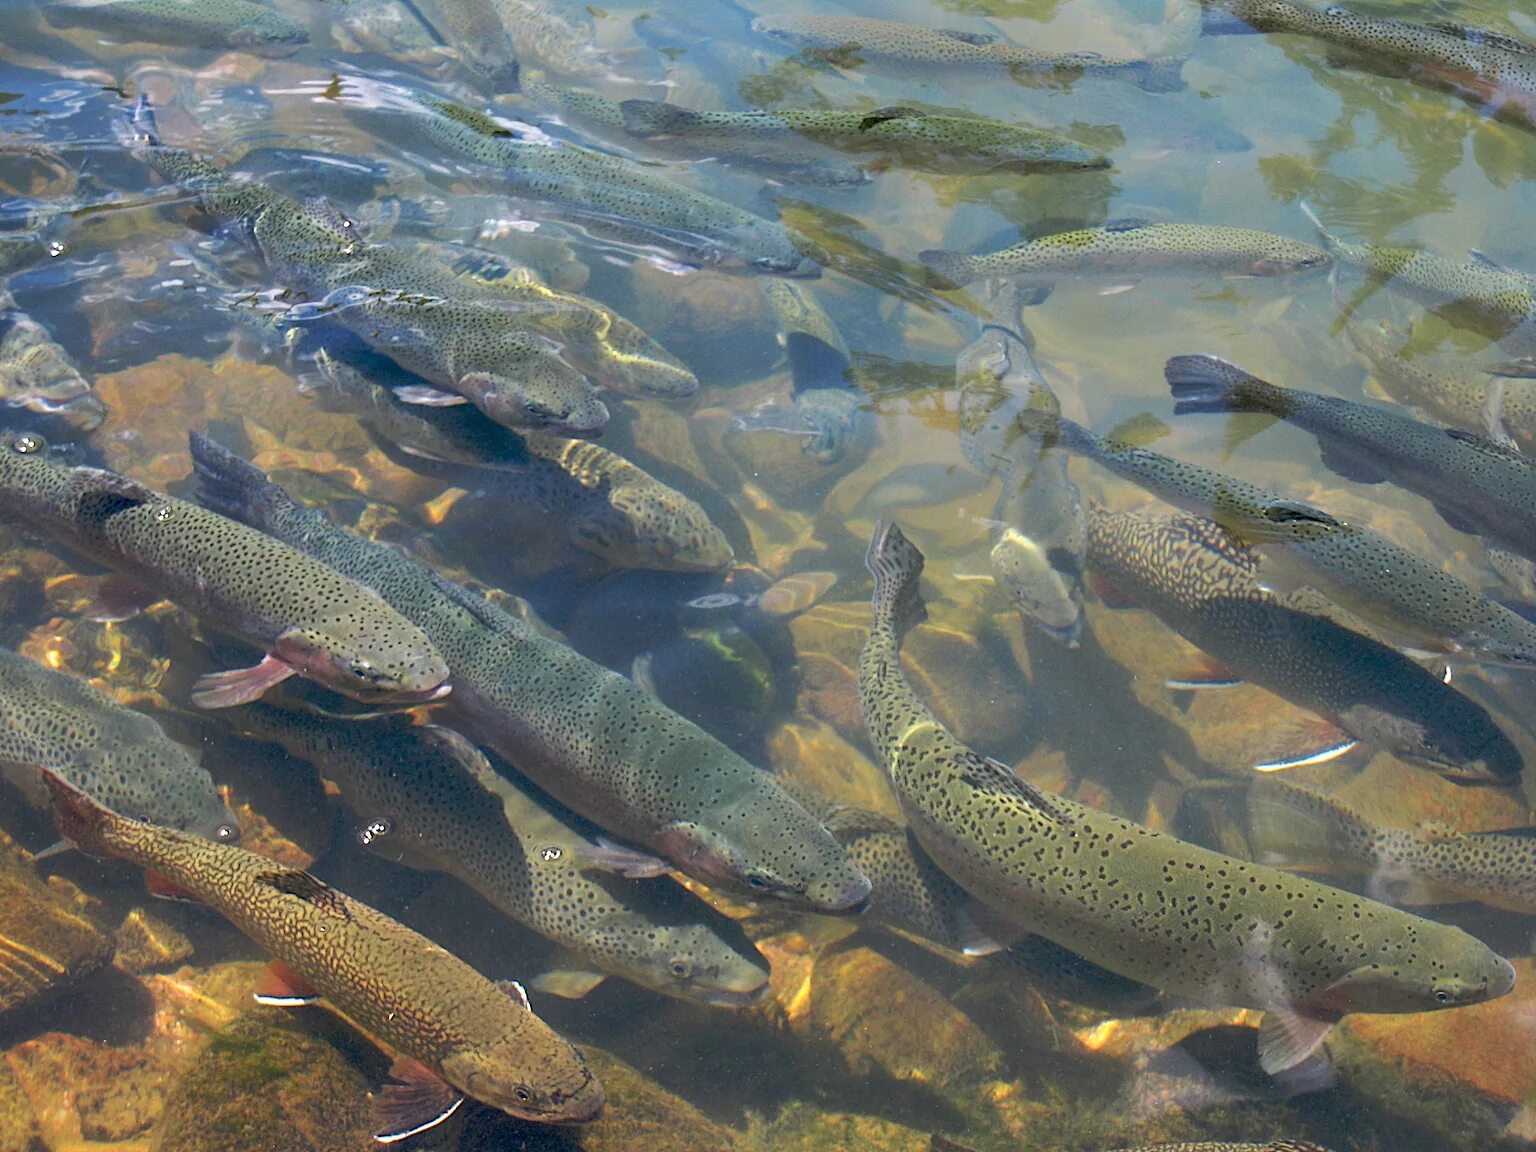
226, 483
647, 118
1211, 384
897, 566
947, 270
81, 821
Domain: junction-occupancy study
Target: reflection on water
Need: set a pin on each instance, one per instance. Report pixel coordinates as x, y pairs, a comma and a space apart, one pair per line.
580, 351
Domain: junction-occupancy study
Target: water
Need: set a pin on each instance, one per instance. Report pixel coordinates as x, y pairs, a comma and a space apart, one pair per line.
866, 1038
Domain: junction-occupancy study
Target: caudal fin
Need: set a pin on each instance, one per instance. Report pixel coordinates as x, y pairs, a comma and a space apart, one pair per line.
897, 566
226, 483
80, 820
947, 270
1211, 384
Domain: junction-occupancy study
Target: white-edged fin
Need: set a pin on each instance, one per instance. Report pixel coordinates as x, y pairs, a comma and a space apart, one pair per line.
417, 1101
567, 983
1117, 289
1286, 1038
428, 397
973, 940
1312, 740
631, 863
1320, 756
281, 987
1199, 671
515, 990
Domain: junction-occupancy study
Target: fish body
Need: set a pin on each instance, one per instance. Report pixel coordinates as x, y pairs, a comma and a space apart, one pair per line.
587, 736
609, 507
556, 35
927, 141
38, 377
475, 31
608, 195
118, 756
1415, 602
826, 402
310, 620
427, 798
194, 23
1222, 1146
474, 1038
1040, 531
893, 43
1191, 575
1477, 485
1299, 829
1495, 70
1145, 905
1134, 247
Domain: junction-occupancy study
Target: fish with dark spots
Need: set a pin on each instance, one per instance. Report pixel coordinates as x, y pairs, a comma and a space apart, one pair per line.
475, 31
38, 378
1142, 904
310, 620
120, 757
427, 798
238, 24
609, 507
1475, 484
1401, 596
1190, 573
589, 737
459, 1035
1132, 248
1306, 831
1222, 1146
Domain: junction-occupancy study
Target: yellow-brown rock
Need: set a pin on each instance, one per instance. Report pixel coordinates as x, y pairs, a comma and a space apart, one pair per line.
145, 942
45, 943
799, 1128
81, 1089
811, 752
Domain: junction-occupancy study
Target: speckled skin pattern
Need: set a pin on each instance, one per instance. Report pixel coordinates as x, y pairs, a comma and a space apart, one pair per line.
1406, 596
1134, 248
121, 758
329, 628
1188, 572
1139, 903
1266, 1146
200, 24
591, 739
398, 985
1477, 485
447, 810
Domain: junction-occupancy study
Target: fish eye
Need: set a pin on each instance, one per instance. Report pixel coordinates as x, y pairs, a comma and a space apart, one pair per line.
680, 968
757, 881
1443, 995
522, 1094
226, 833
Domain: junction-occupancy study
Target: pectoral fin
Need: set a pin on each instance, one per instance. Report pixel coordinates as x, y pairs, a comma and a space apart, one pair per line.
240, 685
568, 983
418, 1100
120, 597
631, 863
1287, 1037
280, 986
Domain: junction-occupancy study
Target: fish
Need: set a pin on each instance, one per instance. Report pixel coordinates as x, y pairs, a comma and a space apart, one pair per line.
1132, 247
1223, 1146
587, 736
1194, 577
1303, 830
1142, 904
423, 316
1039, 527
39, 378
1478, 486
424, 796
311, 621
609, 196
459, 1035
859, 39
559, 37
120, 757
608, 506
238, 24
1491, 69
1486, 294
475, 31
912, 137
1408, 599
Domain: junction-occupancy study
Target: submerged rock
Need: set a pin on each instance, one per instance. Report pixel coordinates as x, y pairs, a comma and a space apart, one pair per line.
802, 1128
45, 944
145, 942
81, 1090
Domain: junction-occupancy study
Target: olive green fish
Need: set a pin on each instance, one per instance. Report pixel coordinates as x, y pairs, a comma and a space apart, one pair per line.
860, 38
589, 737
122, 758
1408, 599
912, 137
193, 23
1194, 577
459, 1035
609, 196
608, 506
1134, 248
1142, 904
1489, 68
427, 798
310, 620
38, 377
1301, 830
1221, 1146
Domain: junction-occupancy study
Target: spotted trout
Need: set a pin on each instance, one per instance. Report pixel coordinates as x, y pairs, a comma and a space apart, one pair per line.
912, 137
1222, 1146
459, 1035
1406, 598
1476, 485
1190, 573
38, 377
311, 621
1145, 905
1135, 248
120, 757
238, 24
427, 798
590, 738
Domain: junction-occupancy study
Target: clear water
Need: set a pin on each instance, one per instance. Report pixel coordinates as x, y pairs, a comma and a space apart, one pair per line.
867, 1040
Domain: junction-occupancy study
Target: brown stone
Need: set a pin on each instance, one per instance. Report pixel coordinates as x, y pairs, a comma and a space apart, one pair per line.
45, 943
84, 1089
146, 942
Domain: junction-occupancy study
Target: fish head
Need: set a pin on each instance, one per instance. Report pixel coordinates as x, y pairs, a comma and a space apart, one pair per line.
1285, 256
654, 527
538, 1077
1460, 742
399, 668
687, 961
1045, 582
550, 395
1450, 970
